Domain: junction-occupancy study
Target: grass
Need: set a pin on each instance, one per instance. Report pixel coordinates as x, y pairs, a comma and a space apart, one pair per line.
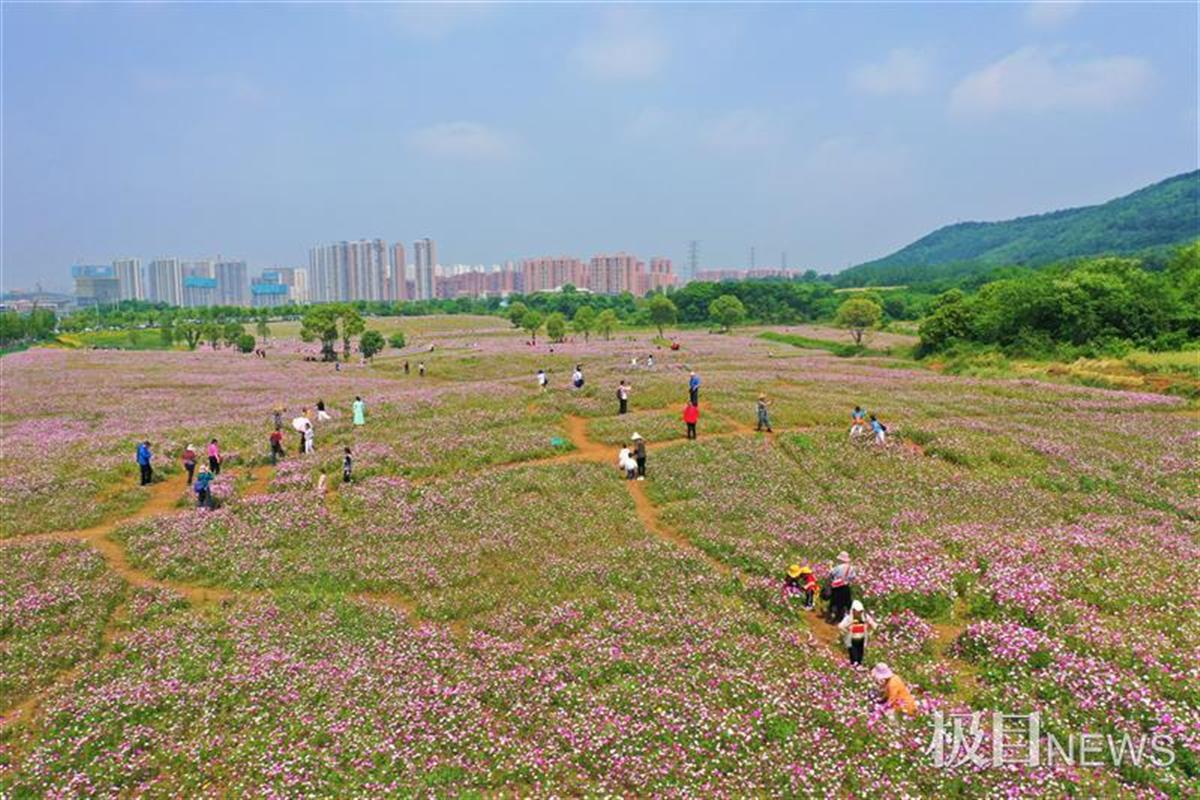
839, 349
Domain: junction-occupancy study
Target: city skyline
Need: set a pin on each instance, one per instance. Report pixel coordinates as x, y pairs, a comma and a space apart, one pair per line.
364, 269
833, 134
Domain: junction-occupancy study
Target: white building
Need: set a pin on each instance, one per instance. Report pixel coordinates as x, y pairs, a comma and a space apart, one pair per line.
129, 276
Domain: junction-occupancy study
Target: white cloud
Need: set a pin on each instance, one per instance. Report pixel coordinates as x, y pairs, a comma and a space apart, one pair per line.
904, 71
1046, 79
621, 53
461, 140
1051, 13
740, 131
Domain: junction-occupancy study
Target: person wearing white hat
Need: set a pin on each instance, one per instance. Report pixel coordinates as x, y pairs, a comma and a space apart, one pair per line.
639, 454
840, 594
893, 694
856, 627
189, 463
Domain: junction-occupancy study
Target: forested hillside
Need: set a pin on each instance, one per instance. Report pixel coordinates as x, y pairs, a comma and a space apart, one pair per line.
1151, 219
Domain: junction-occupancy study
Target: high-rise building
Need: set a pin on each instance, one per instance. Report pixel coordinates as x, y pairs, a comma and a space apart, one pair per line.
233, 285
199, 290
398, 275
424, 261
164, 281
95, 284
129, 277
358, 270
549, 273
659, 277
613, 274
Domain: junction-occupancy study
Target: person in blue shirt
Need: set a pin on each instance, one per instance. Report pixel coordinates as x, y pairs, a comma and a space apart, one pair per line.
204, 498
143, 460
879, 429
694, 389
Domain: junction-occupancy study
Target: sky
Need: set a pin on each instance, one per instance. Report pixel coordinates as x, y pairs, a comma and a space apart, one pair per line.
834, 133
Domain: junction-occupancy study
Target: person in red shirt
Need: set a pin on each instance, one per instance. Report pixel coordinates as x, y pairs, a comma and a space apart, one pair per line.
691, 415
276, 446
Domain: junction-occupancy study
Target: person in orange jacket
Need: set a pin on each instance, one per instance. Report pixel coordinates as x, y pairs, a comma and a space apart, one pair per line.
893, 694
691, 415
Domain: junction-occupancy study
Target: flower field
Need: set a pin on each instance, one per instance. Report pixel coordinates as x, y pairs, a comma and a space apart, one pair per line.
487, 608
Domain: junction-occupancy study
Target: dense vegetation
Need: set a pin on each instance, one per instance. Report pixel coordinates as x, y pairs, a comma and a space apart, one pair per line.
1103, 305
1144, 223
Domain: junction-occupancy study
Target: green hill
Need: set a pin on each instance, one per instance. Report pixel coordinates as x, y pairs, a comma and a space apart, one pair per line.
1158, 216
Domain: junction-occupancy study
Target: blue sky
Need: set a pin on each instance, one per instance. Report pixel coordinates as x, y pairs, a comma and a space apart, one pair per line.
834, 133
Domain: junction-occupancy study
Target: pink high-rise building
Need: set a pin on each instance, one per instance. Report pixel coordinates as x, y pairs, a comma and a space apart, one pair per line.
659, 277
547, 274
616, 273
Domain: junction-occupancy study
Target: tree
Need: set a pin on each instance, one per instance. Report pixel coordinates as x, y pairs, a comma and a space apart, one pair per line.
556, 327
166, 332
726, 311
531, 322
371, 343
245, 343
352, 325
516, 314
232, 333
261, 328
858, 315
190, 332
211, 333
397, 340
662, 312
606, 322
320, 323
584, 321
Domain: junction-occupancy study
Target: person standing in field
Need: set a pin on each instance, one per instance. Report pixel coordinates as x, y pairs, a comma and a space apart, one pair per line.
650, 361
278, 417
841, 578
143, 460
542, 379
203, 491
406, 366
308, 439
857, 422
189, 463
694, 388
322, 414
626, 463
691, 415
856, 627
577, 377
880, 431
276, 446
347, 466
639, 455
360, 411
623, 398
763, 420
421, 368
214, 458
